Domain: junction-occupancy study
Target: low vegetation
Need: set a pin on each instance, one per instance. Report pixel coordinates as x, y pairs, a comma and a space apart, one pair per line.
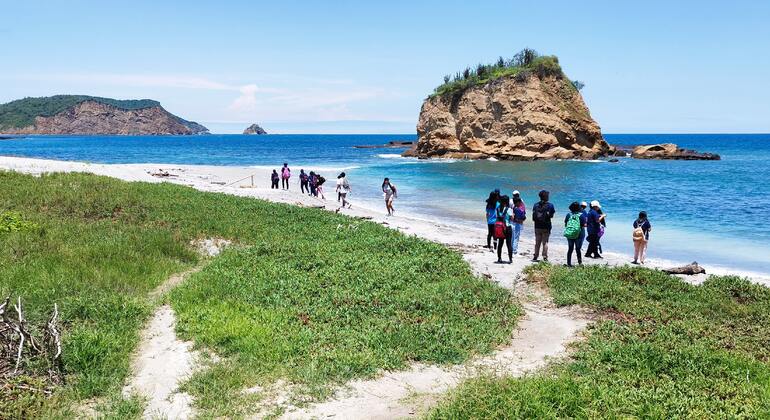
523, 65
665, 349
307, 296
22, 112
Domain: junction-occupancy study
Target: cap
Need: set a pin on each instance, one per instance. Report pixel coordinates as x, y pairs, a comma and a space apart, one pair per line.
516, 192
583, 204
595, 204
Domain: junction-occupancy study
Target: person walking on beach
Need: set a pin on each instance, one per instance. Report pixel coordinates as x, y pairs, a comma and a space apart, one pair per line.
320, 186
573, 228
641, 236
594, 224
602, 228
542, 213
285, 175
503, 229
492, 203
582, 237
303, 182
343, 188
274, 180
313, 181
519, 216
390, 192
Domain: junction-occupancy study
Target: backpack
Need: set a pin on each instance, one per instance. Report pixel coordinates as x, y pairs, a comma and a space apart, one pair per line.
500, 226
638, 234
573, 228
321, 180
540, 213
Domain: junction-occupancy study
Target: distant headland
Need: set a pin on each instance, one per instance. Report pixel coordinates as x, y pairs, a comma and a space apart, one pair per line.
91, 115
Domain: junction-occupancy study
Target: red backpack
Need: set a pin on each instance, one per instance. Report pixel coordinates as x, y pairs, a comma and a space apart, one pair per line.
500, 224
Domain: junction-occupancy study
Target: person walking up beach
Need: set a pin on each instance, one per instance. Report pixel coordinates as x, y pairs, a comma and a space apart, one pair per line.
573, 228
285, 175
503, 229
641, 236
594, 223
343, 188
542, 213
313, 182
303, 182
492, 203
390, 192
519, 216
274, 180
320, 186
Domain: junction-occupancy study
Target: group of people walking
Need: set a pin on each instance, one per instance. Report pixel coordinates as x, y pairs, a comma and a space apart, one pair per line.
506, 216
312, 184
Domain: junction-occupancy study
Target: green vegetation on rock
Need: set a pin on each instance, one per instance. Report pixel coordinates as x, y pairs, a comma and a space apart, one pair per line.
524, 64
303, 294
22, 112
665, 349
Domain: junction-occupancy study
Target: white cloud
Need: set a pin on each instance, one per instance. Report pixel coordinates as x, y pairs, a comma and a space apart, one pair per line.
247, 101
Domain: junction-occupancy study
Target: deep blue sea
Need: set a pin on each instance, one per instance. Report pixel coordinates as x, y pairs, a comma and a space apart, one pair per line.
715, 212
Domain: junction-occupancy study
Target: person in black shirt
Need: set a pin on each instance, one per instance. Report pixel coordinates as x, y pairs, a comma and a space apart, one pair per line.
542, 213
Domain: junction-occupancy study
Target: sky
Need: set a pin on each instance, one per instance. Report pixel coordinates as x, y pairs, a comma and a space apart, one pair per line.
366, 66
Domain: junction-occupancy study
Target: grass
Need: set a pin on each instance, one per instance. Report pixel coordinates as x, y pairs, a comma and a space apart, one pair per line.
305, 295
666, 349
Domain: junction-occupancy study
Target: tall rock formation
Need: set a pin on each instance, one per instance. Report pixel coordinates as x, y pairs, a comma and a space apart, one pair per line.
524, 117
254, 129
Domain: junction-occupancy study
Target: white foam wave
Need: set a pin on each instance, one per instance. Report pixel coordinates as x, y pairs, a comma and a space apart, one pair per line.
392, 156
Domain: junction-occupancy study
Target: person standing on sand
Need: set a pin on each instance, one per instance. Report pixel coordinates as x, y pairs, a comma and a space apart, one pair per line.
390, 192
641, 236
303, 182
285, 175
602, 228
274, 180
574, 223
313, 181
594, 223
504, 221
542, 213
519, 216
343, 188
517, 195
492, 203
320, 186
582, 237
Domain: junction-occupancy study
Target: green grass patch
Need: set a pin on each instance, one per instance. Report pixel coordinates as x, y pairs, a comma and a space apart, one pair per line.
305, 295
667, 349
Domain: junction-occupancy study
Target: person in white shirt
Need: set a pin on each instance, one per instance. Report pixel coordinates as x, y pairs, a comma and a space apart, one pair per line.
343, 188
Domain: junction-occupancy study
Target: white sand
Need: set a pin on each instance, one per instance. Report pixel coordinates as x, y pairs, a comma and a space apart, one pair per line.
544, 332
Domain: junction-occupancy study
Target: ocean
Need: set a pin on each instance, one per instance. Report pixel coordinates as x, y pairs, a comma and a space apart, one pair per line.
713, 212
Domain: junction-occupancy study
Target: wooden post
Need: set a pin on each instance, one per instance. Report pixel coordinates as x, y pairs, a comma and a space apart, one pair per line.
252, 181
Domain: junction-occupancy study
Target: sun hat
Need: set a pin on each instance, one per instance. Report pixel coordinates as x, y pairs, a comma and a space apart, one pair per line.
515, 192
595, 204
583, 204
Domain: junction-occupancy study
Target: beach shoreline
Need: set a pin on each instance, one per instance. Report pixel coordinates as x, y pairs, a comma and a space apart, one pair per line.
237, 180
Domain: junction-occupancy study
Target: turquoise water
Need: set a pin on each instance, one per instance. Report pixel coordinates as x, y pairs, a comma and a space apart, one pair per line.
712, 212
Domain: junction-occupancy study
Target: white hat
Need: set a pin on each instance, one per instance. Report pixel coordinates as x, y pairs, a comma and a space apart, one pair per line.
516, 192
595, 204
584, 204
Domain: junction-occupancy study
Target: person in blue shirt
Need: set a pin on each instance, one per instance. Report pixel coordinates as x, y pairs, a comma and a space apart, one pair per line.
505, 214
593, 225
492, 203
573, 244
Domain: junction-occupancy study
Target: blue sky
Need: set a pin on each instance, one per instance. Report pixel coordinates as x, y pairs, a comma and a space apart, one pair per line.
359, 66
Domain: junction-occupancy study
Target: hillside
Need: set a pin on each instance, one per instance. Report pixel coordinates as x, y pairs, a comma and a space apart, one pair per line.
81, 114
522, 109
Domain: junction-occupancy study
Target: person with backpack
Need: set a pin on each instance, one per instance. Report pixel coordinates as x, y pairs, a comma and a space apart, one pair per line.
492, 203
516, 195
303, 182
343, 188
313, 182
519, 216
594, 225
285, 175
503, 229
641, 236
573, 228
390, 193
274, 180
319, 189
542, 213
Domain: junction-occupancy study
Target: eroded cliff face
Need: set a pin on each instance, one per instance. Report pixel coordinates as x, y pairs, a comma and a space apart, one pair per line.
92, 118
510, 119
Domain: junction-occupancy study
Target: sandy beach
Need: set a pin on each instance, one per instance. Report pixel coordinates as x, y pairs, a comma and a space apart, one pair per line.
254, 182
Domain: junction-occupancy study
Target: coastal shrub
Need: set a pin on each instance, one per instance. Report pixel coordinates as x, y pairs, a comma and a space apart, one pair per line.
11, 221
578, 85
525, 57
664, 349
315, 296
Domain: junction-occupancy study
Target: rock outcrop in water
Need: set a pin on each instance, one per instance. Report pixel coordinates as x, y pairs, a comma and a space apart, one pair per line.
515, 118
254, 129
86, 115
670, 151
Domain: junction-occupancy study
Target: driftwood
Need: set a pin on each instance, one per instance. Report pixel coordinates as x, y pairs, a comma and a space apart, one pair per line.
17, 341
689, 269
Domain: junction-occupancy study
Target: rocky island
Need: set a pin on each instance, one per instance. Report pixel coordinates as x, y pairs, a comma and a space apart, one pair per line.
522, 109
90, 115
670, 151
254, 129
